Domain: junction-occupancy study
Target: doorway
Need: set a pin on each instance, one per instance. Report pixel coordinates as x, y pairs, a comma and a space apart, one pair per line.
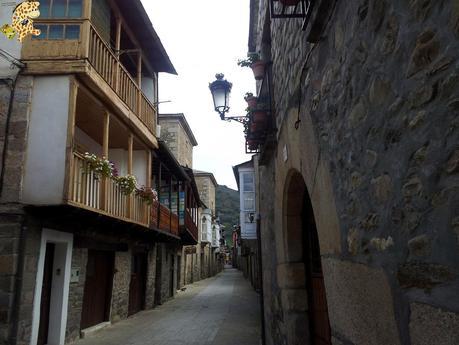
171, 275
97, 288
302, 249
50, 306
319, 325
46, 294
137, 285
179, 271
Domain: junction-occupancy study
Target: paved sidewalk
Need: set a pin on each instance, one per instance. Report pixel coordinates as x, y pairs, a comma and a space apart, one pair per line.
223, 310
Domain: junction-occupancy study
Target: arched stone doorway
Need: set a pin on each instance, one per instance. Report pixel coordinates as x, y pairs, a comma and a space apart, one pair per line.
303, 290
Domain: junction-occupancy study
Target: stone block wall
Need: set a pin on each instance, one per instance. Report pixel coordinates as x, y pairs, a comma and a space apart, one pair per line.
375, 103
29, 267
177, 141
151, 279
76, 293
121, 281
17, 136
10, 231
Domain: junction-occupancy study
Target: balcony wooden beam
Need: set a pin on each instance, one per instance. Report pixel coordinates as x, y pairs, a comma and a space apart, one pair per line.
106, 138
68, 182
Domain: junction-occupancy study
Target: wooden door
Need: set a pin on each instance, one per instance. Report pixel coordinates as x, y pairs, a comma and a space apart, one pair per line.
319, 324
46, 294
138, 283
97, 288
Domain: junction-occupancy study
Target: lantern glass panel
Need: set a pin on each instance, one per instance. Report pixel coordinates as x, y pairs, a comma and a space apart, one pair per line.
220, 98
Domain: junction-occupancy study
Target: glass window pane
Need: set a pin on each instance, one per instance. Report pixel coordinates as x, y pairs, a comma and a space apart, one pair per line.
44, 33
44, 8
59, 7
247, 182
72, 32
249, 202
56, 32
75, 8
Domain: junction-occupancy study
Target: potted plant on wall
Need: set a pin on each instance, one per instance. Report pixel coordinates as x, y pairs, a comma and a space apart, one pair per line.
255, 63
258, 114
250, 99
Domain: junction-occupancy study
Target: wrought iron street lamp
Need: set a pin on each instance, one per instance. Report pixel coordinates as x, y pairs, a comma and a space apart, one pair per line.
221, 90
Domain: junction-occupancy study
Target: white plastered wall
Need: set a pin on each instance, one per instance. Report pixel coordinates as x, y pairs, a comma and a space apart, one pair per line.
139, 167
89, 144
47, 140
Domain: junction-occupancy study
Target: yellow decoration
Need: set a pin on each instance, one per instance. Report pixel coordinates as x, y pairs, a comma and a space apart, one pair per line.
23, 16
8, 31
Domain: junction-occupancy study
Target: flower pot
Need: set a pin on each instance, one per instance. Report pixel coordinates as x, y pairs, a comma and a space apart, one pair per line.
256, 127
259, 116
258, 69
251, 102
289, 2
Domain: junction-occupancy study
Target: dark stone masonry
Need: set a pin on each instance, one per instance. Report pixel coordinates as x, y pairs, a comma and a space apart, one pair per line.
375, 101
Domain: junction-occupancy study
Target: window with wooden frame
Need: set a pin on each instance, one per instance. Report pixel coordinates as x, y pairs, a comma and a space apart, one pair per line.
61, 8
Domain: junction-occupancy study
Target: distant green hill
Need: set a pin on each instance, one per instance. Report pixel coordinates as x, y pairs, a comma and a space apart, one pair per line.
227, 207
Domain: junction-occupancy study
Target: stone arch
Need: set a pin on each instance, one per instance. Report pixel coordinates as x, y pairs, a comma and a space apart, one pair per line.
300, 275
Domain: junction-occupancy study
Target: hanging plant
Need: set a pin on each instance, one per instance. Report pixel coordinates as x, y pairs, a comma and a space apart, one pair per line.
126, 183
149, 195
250, 99
255, 63
99, 166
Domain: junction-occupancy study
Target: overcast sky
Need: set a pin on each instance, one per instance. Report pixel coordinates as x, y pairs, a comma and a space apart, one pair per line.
203, 38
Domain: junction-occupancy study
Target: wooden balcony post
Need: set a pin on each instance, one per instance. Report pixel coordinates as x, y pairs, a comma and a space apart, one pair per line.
148, 184
105, 143
69, 179
139, 84
117, 48
159, 192
130, 199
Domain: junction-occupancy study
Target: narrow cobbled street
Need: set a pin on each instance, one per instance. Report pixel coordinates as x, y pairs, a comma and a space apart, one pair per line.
220, 311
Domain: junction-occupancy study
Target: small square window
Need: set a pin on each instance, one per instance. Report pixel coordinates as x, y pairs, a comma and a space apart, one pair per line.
75, 9
59, 7
56, 32
72, 32
44, 8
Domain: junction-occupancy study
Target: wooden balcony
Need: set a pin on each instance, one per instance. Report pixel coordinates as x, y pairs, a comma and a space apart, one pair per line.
163, 219
190, 227
102, 195
92, 58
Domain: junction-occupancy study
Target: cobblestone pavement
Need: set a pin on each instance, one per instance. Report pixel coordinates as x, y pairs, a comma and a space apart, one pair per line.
223, 310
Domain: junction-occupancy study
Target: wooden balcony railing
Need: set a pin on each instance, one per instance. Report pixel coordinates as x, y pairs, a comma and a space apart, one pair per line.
115, 74
163, 219
190, 226
100, 55
90, 191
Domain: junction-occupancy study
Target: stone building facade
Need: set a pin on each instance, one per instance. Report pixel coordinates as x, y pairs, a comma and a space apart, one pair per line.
196, 261
177, 134
49, 247
365, 155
